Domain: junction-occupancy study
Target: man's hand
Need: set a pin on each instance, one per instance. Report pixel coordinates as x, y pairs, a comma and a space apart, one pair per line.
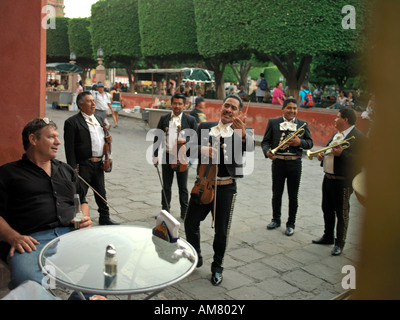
86, 222
108, 138
238, 123
294, 142
209, 152
337, 151
22, 244
270, 155
155, 161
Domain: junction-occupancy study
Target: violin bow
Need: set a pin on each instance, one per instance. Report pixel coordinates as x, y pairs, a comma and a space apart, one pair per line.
162, 187
215, 190
215, 200
247, 108
97, 193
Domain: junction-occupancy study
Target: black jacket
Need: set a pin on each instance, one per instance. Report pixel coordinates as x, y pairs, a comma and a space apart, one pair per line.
349, 163
77, 142
273, 134
231, 158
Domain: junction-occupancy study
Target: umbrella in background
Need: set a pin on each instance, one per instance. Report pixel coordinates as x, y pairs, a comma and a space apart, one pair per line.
64, 67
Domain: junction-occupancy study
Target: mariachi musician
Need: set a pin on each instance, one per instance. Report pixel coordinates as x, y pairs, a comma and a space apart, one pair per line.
286, 161
84, 141
341, 164
219, 143
173, 125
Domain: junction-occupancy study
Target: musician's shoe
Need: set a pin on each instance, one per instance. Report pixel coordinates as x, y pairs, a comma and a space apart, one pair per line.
273, 225
336, 251
199, 262
289, 231
323, 240
107, 221
216, 278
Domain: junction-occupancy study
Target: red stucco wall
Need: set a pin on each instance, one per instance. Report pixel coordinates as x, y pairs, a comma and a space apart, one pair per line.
23, 71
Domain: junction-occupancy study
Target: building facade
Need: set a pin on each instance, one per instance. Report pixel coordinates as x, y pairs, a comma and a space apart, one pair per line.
58, 5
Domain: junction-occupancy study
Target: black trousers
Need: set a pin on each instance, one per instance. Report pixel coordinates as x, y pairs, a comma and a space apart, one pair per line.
289, 171
335, 205
226, 195
168, 177
93, 174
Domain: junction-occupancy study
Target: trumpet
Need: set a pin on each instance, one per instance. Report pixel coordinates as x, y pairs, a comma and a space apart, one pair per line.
344, 143
283, 145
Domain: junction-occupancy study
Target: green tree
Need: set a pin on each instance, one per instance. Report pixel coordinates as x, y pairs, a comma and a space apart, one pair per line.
115, 29
222, 35
57, 41
168, 34
290, 33
338, 67
80, 42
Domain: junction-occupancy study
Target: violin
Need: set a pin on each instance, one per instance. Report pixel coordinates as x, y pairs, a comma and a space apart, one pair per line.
203, 189
107, 152
176, 164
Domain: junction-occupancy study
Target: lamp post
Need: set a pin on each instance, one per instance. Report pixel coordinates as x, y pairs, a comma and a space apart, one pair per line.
72, 57
72, 77
100, 70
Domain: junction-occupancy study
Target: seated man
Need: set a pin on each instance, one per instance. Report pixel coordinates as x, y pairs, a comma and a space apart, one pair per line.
36, 201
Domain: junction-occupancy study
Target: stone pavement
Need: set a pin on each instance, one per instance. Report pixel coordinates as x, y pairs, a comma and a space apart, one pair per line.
260, 264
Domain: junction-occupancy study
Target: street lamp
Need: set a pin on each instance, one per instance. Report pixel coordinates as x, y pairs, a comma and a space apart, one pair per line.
100, 53
72, 76
72, 56
100, 70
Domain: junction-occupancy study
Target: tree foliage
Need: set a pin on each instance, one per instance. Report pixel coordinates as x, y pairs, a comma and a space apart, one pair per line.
305, 27
222, 28
80, 41
115, 29
222, 34
57, 41
167, 33
336, 68
290, 33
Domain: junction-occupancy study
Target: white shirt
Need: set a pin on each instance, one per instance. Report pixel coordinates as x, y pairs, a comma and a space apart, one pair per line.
330, 158
172, 134
224, 130
101, 100
288, 125
96, 135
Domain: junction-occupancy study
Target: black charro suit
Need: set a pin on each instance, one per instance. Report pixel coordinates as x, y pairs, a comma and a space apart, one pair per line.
282, 170
229, 166
337, 189
189, 125
78, 149
347, 164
